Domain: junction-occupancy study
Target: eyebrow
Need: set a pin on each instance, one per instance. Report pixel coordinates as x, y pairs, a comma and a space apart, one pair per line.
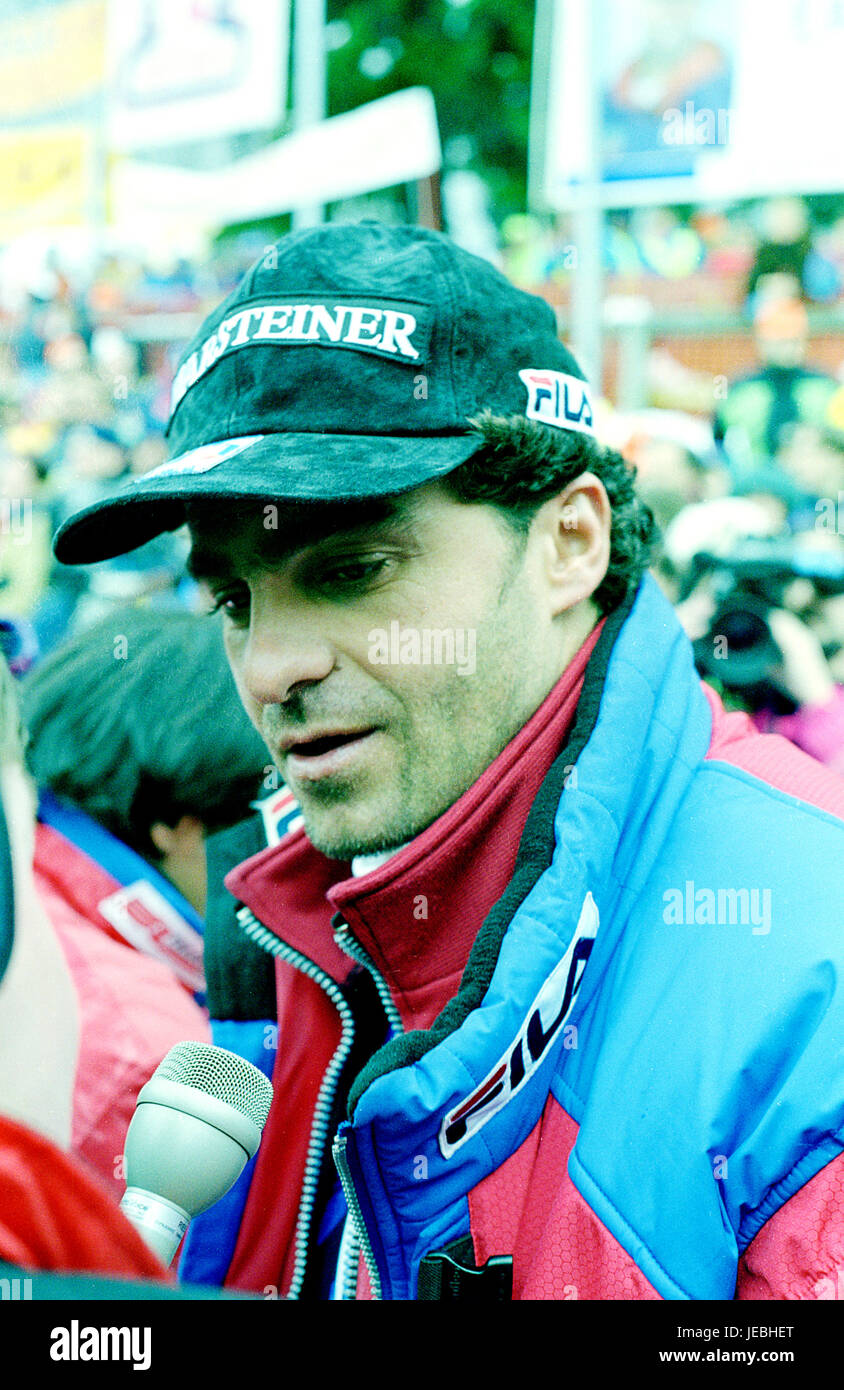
313, 526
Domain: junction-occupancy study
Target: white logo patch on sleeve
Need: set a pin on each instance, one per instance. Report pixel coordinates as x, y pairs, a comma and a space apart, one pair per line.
557, 399
145, 919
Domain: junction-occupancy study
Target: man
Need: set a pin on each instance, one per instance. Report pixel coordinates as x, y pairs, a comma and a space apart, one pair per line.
140, 748
53, 1215
556, 937
762, 409
61, 1234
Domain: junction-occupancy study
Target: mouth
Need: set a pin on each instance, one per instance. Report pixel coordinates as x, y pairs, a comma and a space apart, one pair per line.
326, 754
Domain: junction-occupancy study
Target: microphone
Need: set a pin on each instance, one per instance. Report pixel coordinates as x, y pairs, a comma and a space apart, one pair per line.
197, 1122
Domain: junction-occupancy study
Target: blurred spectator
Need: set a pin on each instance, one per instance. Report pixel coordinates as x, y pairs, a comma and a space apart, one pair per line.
751, 422
675, 459
665, 245
789, 263
728, 239
765, 611
82, 408
18, 646
71, 393
140, 747
136, 722
53, 1216
817, 723
778, 268
25, 534
812, 455
92, 462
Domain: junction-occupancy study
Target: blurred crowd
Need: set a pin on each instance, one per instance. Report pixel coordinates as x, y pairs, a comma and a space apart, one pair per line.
776, 247
750, 506
84, 388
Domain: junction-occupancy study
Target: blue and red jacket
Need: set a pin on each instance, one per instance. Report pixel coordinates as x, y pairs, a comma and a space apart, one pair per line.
610, 981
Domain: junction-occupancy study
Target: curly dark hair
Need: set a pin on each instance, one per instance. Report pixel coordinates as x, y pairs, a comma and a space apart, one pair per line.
521, 463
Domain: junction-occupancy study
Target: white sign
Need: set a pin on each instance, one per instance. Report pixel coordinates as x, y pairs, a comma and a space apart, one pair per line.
690, 101
179, 71
389, 141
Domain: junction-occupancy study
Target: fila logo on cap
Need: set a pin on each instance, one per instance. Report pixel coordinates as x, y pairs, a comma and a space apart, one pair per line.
558, 399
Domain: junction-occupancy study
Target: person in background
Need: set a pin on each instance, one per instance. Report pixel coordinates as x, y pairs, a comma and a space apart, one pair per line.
752, 422
779, 264
676, 461
53, 1214
766, 614
817, 723
140, 748
792, 258
812, 459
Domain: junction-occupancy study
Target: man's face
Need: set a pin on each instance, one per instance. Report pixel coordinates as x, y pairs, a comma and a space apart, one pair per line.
385, 652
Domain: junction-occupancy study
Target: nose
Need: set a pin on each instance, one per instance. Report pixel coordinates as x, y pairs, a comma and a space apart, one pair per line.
281, 651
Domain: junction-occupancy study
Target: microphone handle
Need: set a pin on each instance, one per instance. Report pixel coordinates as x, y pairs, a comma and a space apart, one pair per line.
161, 1223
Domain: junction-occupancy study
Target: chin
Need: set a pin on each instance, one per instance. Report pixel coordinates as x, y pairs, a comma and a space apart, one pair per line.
339, 837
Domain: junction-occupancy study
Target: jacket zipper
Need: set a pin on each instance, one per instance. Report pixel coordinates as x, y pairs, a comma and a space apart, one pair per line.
360, 1243
364, 1244
266, 939
352, 947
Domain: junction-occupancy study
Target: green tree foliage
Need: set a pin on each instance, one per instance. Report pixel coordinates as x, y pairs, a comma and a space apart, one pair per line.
475, 57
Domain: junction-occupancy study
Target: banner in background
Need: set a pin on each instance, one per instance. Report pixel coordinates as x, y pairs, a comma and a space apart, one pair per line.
45, 178
179, 71
670, 101
392, 140
52, 60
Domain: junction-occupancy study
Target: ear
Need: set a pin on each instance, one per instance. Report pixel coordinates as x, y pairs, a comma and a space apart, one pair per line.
575, 527
173, 839
163, 837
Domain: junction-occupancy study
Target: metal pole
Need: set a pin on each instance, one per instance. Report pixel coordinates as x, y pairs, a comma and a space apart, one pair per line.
588, 219
540, 80
309, 95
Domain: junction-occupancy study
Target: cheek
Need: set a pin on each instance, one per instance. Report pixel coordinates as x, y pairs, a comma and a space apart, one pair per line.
254, 710
234, 643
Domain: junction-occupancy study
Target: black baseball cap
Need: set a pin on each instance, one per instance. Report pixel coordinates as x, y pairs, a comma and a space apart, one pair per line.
347, 364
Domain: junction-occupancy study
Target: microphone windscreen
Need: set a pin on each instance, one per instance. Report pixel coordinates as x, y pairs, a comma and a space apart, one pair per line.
221, 1074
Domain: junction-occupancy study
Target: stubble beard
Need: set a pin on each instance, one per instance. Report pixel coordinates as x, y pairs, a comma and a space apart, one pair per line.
442, 753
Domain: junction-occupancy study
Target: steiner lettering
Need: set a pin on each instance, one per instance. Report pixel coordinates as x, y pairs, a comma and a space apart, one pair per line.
369, 328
